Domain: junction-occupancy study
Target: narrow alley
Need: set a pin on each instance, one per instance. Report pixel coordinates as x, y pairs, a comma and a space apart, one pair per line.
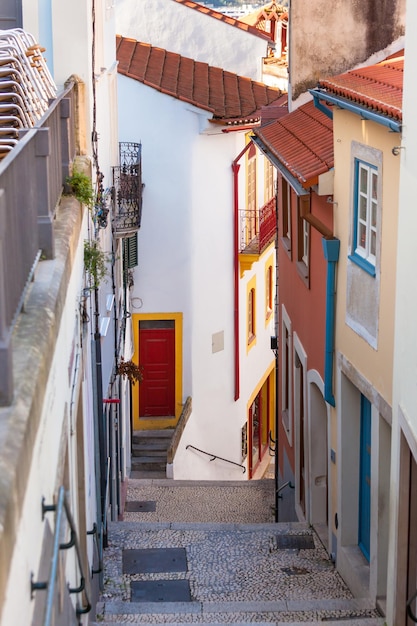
210, 552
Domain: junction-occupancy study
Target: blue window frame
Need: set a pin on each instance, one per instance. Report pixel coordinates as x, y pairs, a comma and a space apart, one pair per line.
365, 216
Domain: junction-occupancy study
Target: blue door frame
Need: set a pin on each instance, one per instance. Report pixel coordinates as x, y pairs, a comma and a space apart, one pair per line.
364, 534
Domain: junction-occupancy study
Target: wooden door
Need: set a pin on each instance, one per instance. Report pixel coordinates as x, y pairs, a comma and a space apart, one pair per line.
157, 359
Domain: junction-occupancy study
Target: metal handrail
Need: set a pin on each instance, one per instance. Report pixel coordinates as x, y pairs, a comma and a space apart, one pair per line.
214, 456
287, 484
409, 611
60, 508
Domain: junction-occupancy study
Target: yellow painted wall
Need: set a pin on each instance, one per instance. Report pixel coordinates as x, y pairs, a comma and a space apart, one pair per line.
375, 365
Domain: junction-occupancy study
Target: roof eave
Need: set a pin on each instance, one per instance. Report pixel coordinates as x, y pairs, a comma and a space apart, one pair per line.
290, 178
320, 95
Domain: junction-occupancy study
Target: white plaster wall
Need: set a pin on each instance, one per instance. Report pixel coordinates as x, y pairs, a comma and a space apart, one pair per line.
180, 29
405, 362
167, 130
186, 265
56, 432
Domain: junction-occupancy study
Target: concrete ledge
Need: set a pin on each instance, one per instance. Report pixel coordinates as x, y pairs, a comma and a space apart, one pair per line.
34, 342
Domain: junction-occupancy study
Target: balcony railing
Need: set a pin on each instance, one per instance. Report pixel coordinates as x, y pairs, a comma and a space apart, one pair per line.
31, 181
127, 190
258, 228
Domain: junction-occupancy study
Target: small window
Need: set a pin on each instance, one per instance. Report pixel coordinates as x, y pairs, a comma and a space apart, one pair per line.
286, 214
365, 216
251, 316
269, 180
303, 239
269, 291
251, 226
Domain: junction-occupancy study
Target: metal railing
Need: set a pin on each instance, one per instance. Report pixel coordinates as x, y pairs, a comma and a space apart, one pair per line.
215, 456
258, 228
127, 190
32, 176
61, 508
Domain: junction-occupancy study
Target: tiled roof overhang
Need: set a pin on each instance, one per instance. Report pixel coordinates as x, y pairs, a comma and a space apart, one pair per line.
231, 99
300, 145
373, 92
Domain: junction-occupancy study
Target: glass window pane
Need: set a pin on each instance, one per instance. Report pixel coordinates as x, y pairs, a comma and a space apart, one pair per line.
362, 236
363, 182
362, 208
374, 186
373, 215
373, 244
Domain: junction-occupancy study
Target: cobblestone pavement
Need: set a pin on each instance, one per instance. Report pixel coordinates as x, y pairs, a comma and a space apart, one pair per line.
189, 501
236, 568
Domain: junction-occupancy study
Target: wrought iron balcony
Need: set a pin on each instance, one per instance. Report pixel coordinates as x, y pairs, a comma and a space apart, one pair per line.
258, 228
127, 190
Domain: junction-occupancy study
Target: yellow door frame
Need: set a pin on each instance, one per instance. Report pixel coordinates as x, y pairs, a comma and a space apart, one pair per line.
158, 422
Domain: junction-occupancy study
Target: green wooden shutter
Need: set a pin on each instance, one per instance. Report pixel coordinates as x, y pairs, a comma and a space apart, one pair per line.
131, 251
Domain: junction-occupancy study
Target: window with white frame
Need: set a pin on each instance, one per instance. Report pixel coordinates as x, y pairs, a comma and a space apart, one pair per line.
251, 316
251, 211
285, 209
269, 180
365, 215
269, 290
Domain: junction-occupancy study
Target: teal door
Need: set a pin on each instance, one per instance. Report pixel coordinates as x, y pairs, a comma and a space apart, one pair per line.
365, 478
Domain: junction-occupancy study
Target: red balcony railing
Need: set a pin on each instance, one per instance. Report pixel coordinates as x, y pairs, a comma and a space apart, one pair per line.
258, 228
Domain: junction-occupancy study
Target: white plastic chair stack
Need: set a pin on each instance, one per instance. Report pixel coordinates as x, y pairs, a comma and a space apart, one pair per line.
26, 85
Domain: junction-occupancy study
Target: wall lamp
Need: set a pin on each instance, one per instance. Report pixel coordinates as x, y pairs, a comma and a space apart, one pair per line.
396, 150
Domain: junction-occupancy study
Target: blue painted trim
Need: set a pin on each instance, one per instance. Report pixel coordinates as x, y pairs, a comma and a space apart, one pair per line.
363, 263
321, 107
331, 249
379, 118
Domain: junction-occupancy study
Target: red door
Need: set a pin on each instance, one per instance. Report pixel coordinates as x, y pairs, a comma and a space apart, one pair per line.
157, 358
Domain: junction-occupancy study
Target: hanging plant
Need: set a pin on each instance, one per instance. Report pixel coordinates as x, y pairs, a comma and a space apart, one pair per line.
95, 262
81, 187
130, 370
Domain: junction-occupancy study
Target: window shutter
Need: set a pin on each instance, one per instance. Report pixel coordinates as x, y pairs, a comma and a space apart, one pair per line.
131, 251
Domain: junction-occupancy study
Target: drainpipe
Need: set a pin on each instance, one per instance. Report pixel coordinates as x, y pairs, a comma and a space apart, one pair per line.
331, 248
235, 170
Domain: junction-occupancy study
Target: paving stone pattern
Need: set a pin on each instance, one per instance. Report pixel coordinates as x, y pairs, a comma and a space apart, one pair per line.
236, 571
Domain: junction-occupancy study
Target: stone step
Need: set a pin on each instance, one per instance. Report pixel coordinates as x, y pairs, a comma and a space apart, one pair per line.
340, 622
149, 463
337, 622
148, 446
141, 435
148, 474
347, 612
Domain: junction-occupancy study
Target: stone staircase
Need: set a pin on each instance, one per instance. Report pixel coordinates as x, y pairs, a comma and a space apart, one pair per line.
219, 572
149, 453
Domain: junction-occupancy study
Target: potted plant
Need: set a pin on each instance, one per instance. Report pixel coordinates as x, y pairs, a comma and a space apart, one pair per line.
130, 370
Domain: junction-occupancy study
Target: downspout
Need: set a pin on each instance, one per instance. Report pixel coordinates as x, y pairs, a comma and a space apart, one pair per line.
235, 170
331, 248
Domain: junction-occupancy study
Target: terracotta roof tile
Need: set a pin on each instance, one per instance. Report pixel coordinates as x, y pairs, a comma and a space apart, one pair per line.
224, 18
229, 97
302, 141
377, 87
